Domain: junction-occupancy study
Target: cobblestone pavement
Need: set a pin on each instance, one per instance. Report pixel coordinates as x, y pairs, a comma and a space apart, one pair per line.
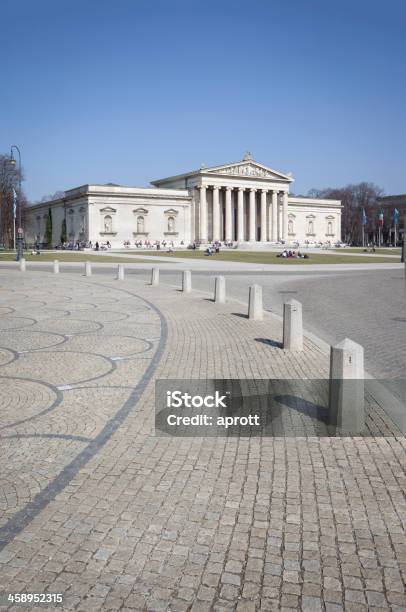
372, 313
95, 507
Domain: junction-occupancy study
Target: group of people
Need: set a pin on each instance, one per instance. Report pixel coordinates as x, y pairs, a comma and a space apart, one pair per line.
213, 248
101, 247
147, 244
293, 254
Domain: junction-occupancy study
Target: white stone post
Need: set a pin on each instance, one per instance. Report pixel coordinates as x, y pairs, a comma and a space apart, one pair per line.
120, 272
285, 215
216, 214
203, 214
220, 290
23, 266
255, 311
228, 213
186, 281
56, 266
346, 391
274, 216
240, 214
252, 216
292, 326
263, 215
155, 277
88, 269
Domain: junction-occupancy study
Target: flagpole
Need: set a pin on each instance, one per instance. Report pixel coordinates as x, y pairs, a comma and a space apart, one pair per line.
14, 234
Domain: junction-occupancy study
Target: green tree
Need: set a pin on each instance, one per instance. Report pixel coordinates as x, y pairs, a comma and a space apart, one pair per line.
63, 231
48, 229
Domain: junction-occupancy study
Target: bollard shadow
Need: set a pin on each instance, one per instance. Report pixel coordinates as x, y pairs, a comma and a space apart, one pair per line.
303, 406
269, 342
287, 291
399, 319
240, 314
212, 300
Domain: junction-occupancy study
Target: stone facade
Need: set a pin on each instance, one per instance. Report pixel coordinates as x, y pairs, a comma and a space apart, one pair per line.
244, 202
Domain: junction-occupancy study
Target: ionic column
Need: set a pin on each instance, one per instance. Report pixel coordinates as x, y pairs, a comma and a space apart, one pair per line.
203, 214
274, 216
228, 213
285, 215
216, 214
240, 215
263, 215
252, 237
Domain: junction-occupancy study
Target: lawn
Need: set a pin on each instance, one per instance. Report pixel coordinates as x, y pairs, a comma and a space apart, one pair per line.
262, 257
65, 257
378, 251
255, 257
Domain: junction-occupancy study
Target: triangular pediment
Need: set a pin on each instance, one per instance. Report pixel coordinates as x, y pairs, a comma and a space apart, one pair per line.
250, 169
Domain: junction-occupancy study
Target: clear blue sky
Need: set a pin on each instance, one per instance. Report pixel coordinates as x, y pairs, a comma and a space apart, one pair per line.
128, 91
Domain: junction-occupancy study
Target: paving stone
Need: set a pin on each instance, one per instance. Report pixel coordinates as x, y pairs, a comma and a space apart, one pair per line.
145, 523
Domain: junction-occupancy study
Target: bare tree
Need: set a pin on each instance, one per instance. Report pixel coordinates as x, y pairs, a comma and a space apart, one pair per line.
354, 198
9, 180
58, 195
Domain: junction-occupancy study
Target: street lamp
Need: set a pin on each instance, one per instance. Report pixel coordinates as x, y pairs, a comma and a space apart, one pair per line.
20, 237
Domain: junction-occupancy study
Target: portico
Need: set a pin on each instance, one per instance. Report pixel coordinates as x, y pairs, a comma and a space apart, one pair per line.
240, 202
242, 214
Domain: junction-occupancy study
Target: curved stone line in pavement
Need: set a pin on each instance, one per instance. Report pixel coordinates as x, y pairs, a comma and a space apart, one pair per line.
124, 316
7, 308
34, 321
48, 435
55, 403
90, 304
15, 355
37, 331
23, 517
118, 357
90, 331
108, 359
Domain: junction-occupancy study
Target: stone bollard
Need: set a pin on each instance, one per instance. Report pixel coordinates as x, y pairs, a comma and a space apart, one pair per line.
220, 290
56, 266
120, 272
88, 269
23, 266
346, 389
255, 303
186, 281
155, 277
292, 326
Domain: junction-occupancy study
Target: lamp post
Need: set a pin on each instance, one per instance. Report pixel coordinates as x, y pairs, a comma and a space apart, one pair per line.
20, 238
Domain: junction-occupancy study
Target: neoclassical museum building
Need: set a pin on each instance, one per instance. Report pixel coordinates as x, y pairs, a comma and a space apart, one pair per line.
244, 202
